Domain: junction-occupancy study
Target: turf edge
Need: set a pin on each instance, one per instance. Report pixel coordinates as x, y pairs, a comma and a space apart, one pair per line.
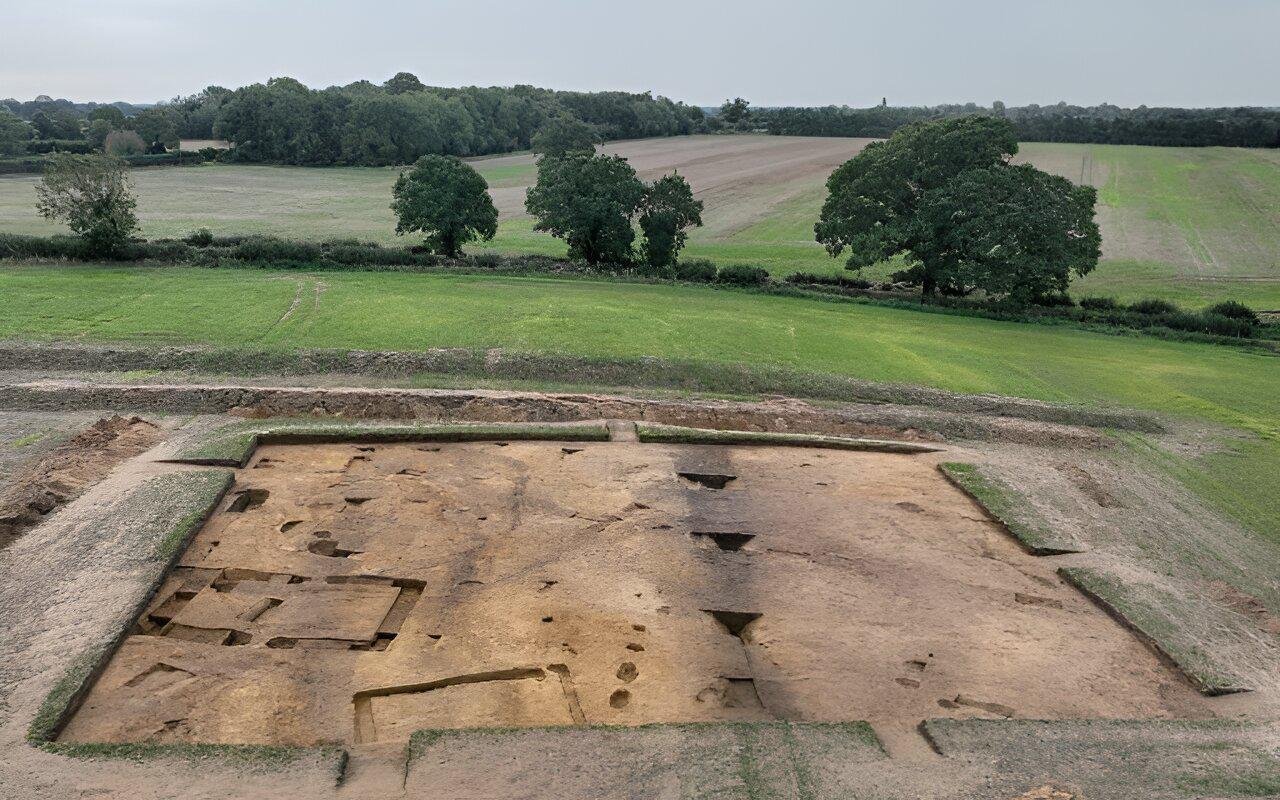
1003, 504
232, 446
1154, 627
858, 733
674, 434
172, 509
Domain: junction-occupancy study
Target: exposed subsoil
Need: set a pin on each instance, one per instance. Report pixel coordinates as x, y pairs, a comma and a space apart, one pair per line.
356, 593
41, 487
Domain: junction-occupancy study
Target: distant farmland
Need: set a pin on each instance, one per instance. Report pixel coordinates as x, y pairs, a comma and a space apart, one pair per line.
1191, 224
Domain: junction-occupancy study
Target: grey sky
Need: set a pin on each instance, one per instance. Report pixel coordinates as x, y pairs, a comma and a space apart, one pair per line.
783, 52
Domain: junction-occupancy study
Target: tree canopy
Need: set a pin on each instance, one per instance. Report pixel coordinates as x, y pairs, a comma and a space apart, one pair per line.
588, 201
563, 135
14, 134
403, 82
92, 195
668, 209
938, 192
445, 199
1009, 230
735, 111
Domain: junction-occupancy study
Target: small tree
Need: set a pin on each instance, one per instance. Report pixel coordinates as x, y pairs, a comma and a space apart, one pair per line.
156, 127
99, 130
667, 210
588, 201
735, 111
14, 133
92, 195
447, 200
564, 135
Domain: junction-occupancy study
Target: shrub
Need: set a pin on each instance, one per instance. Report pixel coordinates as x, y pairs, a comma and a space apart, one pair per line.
124, 143
271, 249
842, 281
1233, 310
1224, 325
77, 146
1098, 303
1153, 307
1056, 300
696, 270
354, 253
201, 238
1182, 321
14, 245
487, 260
742, 275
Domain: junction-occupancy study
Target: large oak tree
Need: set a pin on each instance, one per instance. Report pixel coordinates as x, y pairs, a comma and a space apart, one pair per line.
904, 197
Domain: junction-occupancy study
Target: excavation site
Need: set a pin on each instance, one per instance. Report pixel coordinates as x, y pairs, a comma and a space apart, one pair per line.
356, 593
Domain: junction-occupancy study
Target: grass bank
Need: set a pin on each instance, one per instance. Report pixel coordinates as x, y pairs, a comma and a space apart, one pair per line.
394, 311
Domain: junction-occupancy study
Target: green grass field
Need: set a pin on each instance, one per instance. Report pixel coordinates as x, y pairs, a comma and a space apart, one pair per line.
396, 311
1194, 225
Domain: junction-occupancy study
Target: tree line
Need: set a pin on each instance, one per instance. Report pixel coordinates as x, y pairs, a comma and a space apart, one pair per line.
362, 124
1104, 124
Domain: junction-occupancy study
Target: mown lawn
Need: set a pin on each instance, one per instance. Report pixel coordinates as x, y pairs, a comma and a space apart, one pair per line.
396, 311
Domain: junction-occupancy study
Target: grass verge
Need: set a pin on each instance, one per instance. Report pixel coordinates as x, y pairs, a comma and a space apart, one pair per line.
1153, 616
233, 445
1108, 759
674, 434
1009, 508
163, 513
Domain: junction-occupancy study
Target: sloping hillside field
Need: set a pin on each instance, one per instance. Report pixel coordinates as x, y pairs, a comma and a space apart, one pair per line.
1194, 225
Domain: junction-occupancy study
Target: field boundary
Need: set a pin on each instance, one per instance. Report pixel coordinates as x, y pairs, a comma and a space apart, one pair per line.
1152, 626
881, 421
675, 434
655, 373
1006, 506
232, 446
175, 505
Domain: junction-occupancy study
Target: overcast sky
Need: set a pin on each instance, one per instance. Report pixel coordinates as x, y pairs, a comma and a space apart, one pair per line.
773, 52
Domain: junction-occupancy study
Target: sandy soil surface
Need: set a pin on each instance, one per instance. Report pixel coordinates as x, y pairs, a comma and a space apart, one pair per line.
357, 593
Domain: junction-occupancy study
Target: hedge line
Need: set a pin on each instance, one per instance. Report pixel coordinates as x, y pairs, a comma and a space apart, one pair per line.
1228, 322
36, 164
1229, 319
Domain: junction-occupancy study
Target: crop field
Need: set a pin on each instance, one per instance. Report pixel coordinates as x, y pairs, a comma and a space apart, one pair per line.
395, 311
1194, 225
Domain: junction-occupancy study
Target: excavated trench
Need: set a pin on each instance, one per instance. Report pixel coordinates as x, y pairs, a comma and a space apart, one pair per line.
356, 593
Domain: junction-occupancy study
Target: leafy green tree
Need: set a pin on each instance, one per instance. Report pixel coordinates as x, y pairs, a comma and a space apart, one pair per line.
92, 195
588, 201
99, 130
156, 127
109, 114
563, 135
404, 82
873, 198
1008, 230
667, 210
447, 200
14, 134
735, 111
58, 124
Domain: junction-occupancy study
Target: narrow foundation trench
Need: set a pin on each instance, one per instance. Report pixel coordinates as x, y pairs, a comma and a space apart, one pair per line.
358, 593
